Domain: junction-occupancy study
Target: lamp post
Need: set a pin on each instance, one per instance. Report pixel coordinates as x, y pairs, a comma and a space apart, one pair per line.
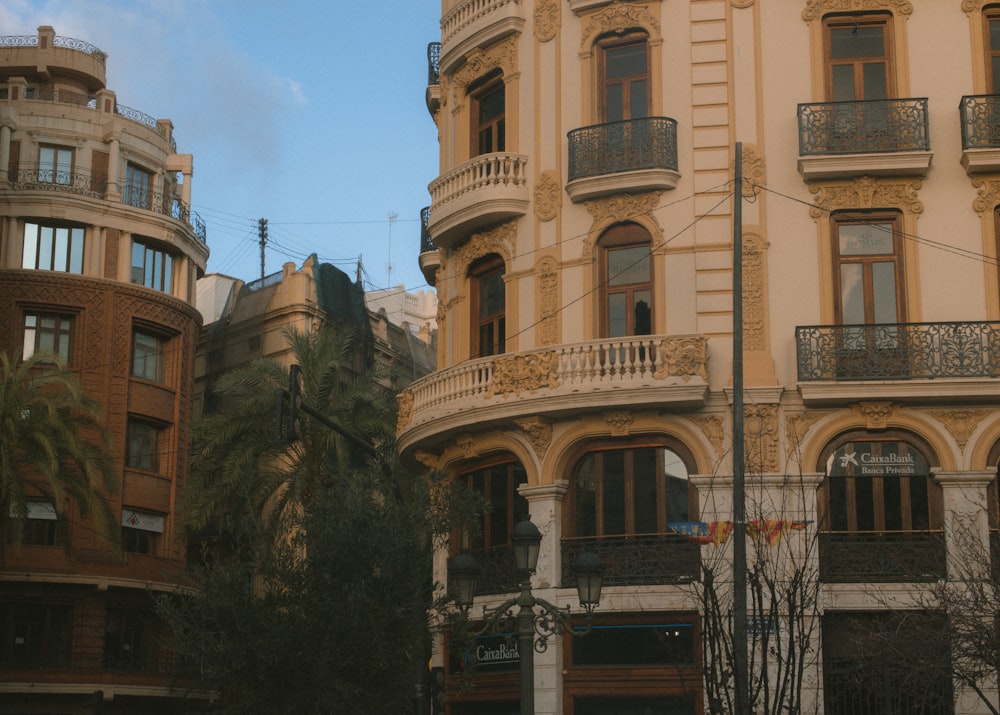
536, 620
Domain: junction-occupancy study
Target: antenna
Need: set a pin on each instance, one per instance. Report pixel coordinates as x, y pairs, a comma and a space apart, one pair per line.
262, 230
388, 266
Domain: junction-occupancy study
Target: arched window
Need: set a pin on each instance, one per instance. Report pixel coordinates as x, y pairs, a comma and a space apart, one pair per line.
621, 490
489, 306
626, 271
881, 512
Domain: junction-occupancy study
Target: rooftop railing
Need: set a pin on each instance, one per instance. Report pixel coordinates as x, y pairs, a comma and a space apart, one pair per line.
648, 143
65, 42
898, 351
882, 125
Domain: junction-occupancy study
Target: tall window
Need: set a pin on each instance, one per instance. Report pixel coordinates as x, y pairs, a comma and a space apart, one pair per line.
992, 19
53, 248
630, 491
141, 531
489, 116
138, 187
34, 635
859, 58
497, 483
55, 165
489, 305
151, 267
626, 281
147, 355
128, 639
869, 269
624, 78
49, 333
143, 445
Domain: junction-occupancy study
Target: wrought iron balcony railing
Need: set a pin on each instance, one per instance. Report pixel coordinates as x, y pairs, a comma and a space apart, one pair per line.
426, 242
48, 178
898, 351
434, 63
649, 143
980, 116
635, 560
57, 41
882, 125
145, 198
881, 557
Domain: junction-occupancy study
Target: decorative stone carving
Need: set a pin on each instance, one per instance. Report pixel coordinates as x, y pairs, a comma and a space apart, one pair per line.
754, 310
546, 20
876, 414
796, 426
760, 436
622, 207
520, 373
465, 445
713, 426
539, 432
816, 9
548, 301
499, 240
960, 423
502, 56
431, 461
547, 196
405, 413
988, 191
684, 358
617, 18
866, 192
742, 3
754, 174
619, 422
971, 6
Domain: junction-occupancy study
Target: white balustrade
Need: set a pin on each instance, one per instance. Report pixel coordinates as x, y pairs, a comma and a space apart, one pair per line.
468, 13
481, 173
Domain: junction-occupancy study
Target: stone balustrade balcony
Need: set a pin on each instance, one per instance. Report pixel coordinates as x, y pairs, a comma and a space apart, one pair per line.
477, 23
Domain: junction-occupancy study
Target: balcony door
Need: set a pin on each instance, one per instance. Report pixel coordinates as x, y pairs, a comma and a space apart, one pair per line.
624, 78
991, 17
626, 281
859, 62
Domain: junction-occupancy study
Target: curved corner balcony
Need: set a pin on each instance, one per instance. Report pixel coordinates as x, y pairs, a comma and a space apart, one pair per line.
884, 137
980, 117
594, 376
477, 23
433, 94
430, 257
486, 190
618, 157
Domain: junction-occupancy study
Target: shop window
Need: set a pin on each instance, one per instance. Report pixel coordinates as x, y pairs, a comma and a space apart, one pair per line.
625, 86
34, 635
859, 57
55, 165
626, 266
879, 663
489, 116
629, 491
143, 445
489, 306
40, 528
128, 638
141, 531
50, 247
48, 333
151, 267
147, 355
138, 187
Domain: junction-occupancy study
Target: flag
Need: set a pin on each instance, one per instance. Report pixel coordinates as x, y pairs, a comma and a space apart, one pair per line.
702, 532
773, 529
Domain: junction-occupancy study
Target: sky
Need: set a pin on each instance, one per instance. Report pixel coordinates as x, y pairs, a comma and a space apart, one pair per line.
309, 113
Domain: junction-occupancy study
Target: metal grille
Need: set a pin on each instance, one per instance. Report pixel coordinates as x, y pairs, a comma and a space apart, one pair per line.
980, 121
649, 143
634, 560
886, 557
426, 242
434, 63
883, 125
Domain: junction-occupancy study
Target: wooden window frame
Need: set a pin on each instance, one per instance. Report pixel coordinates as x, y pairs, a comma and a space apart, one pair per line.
609, 44
857, 20
479, 272
155, 354
488, 87
44, 631
624, 236
482, 474
991, 14
63, 332
570, 509
142, 451
138, 194
49, 171
867, 261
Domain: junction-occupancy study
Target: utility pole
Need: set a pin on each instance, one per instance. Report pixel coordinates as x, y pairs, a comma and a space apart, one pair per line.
262, 232
388, 265
741, 677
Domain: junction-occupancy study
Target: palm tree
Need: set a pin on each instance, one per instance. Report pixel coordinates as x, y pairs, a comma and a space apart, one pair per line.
53, 446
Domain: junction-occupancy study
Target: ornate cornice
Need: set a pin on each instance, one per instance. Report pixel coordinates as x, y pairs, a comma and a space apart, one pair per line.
622, 207
876, 414
866, 192
502, 56
816, 9
617, 18
546, 19
539, 432
971, 6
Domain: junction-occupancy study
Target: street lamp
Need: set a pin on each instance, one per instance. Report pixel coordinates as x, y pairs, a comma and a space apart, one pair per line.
536, 620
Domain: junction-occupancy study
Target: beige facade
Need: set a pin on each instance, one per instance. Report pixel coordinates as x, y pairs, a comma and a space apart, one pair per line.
99, 253
580, 237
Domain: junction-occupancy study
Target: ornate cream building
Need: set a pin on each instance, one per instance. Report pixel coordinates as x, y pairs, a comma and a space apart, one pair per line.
580, 237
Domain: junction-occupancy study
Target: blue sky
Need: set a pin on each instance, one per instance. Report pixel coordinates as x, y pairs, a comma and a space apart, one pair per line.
308, 113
